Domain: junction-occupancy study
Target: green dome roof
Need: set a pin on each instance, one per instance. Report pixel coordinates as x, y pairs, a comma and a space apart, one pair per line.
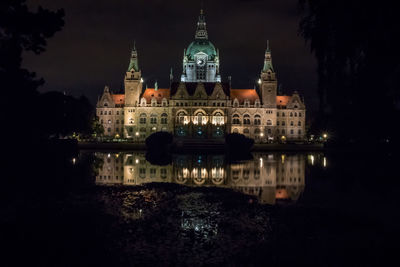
201, 45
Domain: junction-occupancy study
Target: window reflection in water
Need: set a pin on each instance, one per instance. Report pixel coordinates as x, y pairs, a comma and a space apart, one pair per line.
269, 177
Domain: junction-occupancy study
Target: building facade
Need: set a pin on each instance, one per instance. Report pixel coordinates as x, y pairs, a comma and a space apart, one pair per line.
200, 105
269, 177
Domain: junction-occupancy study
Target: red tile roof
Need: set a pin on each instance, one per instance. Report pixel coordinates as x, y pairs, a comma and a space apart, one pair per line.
159, 94
282, 100
119, 99
243, 94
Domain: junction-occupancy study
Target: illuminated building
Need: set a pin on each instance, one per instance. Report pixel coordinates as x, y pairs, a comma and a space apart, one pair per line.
200, 105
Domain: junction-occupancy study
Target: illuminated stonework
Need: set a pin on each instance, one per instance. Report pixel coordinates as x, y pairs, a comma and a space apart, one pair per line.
269, 177
200, 105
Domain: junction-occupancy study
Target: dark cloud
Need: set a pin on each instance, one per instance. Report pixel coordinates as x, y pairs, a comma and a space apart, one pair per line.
93, 48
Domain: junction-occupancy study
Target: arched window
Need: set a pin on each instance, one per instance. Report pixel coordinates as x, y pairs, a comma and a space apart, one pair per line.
257, 119
291, 123
269, 131
291, 114
164, 102
246, 131
269, 122
101, 112
235, 119
247, 103
257, 131
299, 123
181, 117
164, 118
109, 113
246, 119
235, 130
299, 114
283, 114
143, 118
295, 114
200, 118
218, 119
257, 103
106, 104
153, 102
153, 119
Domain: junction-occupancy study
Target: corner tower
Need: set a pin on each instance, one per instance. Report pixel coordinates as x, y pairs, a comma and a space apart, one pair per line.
269, 82
133, 81
201, 59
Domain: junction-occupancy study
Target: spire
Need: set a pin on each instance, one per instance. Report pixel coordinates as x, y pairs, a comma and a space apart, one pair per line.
156, 86
201, 31
268, 59
133, 64
171, 75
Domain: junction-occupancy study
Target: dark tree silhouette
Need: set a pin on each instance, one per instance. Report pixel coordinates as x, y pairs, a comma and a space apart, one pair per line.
22, 30
356, 45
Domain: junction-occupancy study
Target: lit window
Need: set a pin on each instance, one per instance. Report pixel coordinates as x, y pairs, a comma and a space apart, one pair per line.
257, 120
235, 119
246, 119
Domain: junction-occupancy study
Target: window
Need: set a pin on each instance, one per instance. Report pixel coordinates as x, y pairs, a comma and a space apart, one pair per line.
218, 119
257, 103
246, 119
153, 119
247, 103
109, 121
101, 121
277, 114
117, 129
117, 112
257, 120
299, 114
152, 172
257, 131
299, 123
246, 131
181, 117
164, 118
299, 131
291, 123
131, 121
106, 104
295, 114
235, 119
269, 122
235, 103
283, 114
101, 112
122, 121
142, 172
283, 123
200, 118
163, 173
291, 114
117, 121
109, 113
109, 130
277, 123
235, 130
142, 118
269, 131
291, 131
283, 131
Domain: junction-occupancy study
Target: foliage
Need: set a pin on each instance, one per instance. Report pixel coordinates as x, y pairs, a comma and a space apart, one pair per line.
63, 115
356, 45
238, 142
22, 30
97, 127
159, 140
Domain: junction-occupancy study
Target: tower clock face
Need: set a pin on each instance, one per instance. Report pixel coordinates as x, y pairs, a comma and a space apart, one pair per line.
200, 62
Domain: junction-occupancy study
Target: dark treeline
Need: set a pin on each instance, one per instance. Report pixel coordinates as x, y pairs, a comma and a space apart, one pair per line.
33, 116
356, 44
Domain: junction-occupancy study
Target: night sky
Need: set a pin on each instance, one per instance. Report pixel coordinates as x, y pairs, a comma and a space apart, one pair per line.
93, 49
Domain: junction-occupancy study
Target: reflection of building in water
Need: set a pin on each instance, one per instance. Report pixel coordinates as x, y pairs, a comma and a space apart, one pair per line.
269, 177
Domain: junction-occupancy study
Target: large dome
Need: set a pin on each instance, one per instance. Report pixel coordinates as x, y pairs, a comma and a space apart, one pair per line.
201, 45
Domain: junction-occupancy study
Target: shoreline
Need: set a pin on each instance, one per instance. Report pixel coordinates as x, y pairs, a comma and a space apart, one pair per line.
200, 147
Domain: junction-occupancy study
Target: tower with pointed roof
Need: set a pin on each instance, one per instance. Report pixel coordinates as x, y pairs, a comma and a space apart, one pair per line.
269, 83
201, 59
133, 80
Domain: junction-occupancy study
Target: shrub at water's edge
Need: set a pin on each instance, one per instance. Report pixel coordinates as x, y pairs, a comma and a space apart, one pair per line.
238, 143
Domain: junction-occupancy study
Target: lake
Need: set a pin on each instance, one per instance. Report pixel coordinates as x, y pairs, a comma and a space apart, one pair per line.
125, 209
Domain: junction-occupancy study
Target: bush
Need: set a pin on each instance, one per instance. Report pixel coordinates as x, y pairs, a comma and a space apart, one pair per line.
159, 140
238, 142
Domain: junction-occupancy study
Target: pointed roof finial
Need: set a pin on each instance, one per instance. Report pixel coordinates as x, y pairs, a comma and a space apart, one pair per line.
268, 49
156, 86
134, 45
